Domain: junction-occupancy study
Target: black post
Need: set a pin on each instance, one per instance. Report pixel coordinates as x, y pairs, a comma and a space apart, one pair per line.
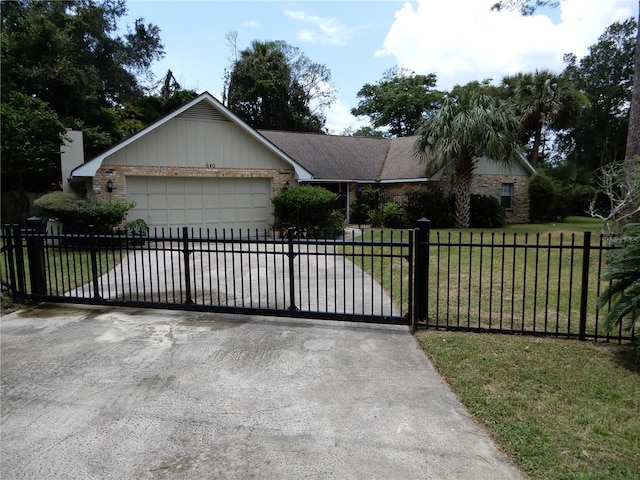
35, 254
20, 265
187, 270
586, 248
10, 258
292, 285
94, 261
421, 269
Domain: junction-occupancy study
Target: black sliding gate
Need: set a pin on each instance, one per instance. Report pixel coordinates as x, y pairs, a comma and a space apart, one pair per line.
368, 278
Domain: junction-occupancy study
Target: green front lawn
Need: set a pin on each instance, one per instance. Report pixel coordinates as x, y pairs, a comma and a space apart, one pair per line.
562, 409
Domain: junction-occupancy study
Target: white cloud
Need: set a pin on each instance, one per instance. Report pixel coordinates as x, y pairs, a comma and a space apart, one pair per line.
323, 30
339, 118
252, 24
463, 40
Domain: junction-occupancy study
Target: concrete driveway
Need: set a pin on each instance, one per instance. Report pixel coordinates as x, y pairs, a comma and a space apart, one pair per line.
119, 393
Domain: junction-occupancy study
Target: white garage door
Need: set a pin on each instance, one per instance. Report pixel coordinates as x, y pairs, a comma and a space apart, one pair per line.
231, 203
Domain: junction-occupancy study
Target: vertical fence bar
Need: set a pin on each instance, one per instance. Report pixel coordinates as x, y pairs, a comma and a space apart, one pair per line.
292, 283
187, 271
421, 271
94, 261
586, 250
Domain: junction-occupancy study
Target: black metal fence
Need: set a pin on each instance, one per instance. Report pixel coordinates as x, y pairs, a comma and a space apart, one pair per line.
250, 272
509, 283
474, 281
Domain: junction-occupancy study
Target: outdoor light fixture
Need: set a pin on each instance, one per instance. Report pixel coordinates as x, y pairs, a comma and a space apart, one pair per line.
109, 185
286, 185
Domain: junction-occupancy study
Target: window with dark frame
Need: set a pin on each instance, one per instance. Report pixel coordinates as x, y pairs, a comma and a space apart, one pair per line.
506, 196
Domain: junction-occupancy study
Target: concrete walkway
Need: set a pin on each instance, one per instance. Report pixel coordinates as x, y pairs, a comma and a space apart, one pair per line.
116, 393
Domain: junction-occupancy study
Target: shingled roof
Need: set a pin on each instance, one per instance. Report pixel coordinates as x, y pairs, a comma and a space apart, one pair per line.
333, 157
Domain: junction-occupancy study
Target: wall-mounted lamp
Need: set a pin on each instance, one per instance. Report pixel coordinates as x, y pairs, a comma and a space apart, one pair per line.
109, 185
286, 185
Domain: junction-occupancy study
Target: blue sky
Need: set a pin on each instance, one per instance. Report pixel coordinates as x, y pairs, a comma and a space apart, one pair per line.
459, 40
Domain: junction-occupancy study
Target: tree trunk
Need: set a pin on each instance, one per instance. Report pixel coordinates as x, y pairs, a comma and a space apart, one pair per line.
464, 175
535, 151
633, 134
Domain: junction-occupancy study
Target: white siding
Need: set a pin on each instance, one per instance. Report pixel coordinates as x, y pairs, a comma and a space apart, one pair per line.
186, 142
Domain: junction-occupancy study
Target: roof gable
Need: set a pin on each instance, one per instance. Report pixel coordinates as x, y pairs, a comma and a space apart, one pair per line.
204, 107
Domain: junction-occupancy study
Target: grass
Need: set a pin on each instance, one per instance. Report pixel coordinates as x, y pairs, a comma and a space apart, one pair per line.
561, 409
496, 279
67, 268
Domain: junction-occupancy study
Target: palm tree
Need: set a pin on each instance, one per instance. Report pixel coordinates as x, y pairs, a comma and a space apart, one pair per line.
543, 99
468, 126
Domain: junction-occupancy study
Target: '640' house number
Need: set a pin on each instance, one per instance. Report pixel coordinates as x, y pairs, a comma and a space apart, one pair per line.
210, 165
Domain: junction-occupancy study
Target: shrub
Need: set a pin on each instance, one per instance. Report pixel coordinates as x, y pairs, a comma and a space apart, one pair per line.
305, 208
389, 215
486, 212
58, 205
543, 194
362, 207
431, 204
77, 214
575, 199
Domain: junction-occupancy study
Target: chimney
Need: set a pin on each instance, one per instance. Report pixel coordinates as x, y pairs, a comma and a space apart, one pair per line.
71, 156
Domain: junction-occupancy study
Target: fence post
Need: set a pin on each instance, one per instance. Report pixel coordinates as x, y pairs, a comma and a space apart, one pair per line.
187, 270
292, 285
94, 261
10, 257
586, 248
35, 254
421, 269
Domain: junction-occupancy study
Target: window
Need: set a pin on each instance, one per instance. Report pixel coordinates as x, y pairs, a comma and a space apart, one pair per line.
506, 197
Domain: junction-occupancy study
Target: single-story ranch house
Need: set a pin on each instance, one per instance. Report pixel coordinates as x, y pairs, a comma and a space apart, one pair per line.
201, 166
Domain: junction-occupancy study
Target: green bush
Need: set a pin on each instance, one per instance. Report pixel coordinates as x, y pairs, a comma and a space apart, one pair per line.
431, 204
486, 212
58, 205
78, 214
366, 202
306, 209
575, 199
543, 195
390, 215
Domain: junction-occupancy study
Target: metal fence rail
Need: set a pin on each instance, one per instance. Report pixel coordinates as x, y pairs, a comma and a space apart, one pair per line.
524, 284
248, 272
518, 284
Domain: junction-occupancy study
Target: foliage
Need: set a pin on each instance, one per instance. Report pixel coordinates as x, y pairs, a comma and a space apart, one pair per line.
543, 100
389, 215
367, 201
31, 136
307, 209
58, 204
137, 227
624, 274
274, 86
78, 214
467, 127
399, 101
622, 192
605, 75
543, 194
69, 56
431, 204
486, 212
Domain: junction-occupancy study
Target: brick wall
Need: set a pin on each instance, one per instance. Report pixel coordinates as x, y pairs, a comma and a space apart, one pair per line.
491, 185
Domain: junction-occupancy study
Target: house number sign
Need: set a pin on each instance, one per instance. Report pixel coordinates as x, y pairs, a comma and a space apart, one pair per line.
210, 165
